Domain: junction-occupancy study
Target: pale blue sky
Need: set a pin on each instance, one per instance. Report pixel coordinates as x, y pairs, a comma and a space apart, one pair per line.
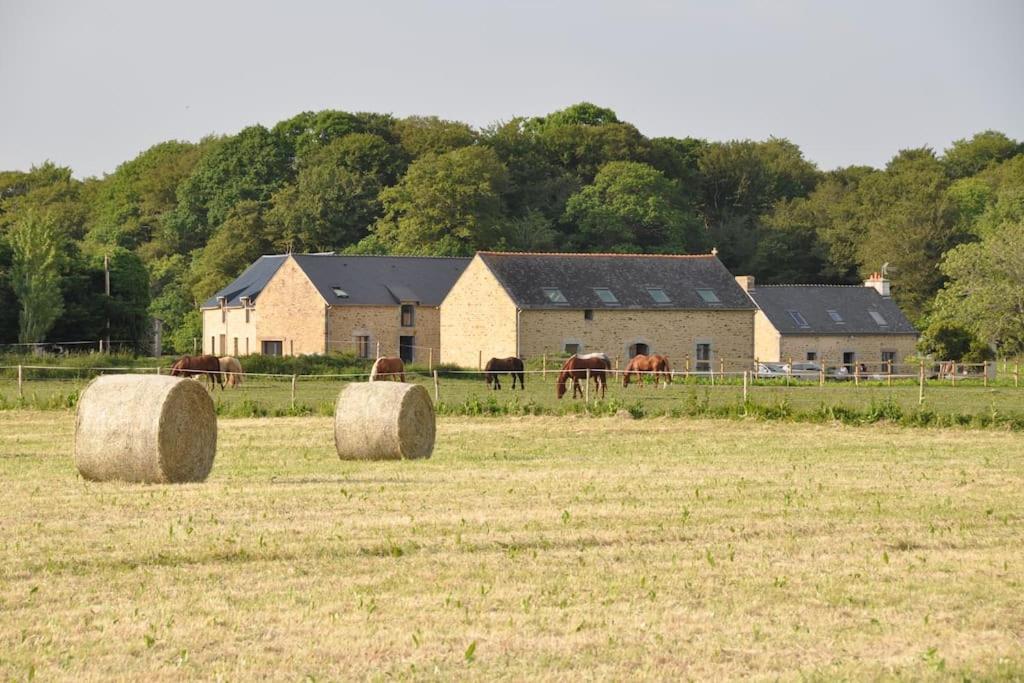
91, 84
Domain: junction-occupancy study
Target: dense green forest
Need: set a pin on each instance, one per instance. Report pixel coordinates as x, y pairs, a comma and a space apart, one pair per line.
182, 219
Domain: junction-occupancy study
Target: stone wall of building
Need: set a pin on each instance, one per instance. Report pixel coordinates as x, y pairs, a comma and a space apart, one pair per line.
478, 319
292, 312
672, 333
829, 349
229, 332
383, 324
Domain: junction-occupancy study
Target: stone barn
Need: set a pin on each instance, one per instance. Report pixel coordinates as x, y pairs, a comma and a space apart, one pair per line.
295, 304
835, 325
513, 304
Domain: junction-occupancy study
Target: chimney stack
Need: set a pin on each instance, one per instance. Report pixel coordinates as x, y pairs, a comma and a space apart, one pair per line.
746, 282
879, 283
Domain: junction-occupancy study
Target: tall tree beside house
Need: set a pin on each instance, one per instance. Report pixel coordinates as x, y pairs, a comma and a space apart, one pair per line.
36, 248
8, 312
445, 205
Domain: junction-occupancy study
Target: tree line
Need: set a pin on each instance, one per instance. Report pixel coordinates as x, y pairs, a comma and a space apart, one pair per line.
183, 219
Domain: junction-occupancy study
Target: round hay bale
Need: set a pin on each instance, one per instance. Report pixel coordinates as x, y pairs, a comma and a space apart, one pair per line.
384, 421
148, 429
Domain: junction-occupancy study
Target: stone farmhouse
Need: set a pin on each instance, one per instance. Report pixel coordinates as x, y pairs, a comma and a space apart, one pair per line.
295, 304
834, 325
512, 304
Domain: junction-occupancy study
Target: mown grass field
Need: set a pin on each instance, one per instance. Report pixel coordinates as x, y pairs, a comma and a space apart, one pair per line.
526, 548
466, 393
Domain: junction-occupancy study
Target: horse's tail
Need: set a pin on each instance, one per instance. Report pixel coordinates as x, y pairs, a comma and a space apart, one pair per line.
373, 370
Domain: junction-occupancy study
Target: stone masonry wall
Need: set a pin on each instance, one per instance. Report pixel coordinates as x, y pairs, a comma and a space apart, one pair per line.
239, 336
477, 319
292, 311
867, 349
384, 324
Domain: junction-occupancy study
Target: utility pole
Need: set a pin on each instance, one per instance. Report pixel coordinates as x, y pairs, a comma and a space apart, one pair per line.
106, 289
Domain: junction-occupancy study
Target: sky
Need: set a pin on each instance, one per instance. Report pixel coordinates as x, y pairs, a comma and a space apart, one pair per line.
91, 84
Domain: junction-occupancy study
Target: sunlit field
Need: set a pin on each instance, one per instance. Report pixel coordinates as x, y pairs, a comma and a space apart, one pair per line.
526, 548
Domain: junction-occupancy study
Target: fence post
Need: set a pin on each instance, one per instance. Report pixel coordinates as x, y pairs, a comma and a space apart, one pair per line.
952, 375
294, 378
1016, 374
856, 375
437, 389
480, 360
544, 365
378, 348
888, 369
430, 358
586, 389
821, 372
686, 368
21, 392
721, 367
158, 370
789, 370
745, 390
920, 390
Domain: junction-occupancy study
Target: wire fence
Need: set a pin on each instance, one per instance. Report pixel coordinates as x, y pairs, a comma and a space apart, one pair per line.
944, 384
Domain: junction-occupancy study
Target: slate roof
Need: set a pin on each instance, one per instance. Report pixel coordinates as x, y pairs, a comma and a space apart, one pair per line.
851, 302
250, 283
628, 276
367, 280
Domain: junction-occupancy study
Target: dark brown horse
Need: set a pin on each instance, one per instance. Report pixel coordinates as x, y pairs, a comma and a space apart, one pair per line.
199, 366
388, 367
498, 366
653, 366
576, 369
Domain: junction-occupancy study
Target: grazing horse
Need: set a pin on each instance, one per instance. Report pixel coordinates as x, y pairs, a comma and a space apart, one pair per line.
387, 367
232, 370
498, 366
195, 366
656, 366
576, 369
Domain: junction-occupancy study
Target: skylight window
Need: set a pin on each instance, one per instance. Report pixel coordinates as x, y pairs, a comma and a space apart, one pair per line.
659, 295
709, 296
834, 314
798, 318
606, 296
554, 295
878, 318
339, 292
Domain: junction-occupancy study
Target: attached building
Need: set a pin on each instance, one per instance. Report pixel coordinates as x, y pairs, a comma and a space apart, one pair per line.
509, 304
297, 304
835, 325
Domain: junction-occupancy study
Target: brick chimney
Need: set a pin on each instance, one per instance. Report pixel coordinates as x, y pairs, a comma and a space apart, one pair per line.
746, 282
879, 282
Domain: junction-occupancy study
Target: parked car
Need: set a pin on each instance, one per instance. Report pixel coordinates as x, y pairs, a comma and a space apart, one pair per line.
807, 370
767, 370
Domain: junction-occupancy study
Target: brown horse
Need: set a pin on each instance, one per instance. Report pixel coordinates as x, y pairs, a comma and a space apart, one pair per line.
387, 367
199, 366
654, 366
498, 366
576, 369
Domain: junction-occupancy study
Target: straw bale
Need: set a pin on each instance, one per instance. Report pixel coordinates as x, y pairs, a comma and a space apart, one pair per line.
384, 421
149, 429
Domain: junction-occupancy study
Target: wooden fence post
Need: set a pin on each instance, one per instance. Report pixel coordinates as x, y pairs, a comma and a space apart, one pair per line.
888, 379
378, 348
1016, 374
480, 360
21, 377
821, 372
294, 379
437, 389
744, 390
856, 375
544, 365
789, 370
686, 367
430, 358
920, 389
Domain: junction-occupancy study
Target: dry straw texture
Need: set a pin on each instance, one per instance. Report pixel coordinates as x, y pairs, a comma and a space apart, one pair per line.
136, 428
384, 421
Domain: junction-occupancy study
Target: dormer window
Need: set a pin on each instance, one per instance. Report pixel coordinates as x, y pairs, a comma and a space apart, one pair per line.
339, 292
708, 296
834, 314
554, 295
798, 318
606, 296
659, 295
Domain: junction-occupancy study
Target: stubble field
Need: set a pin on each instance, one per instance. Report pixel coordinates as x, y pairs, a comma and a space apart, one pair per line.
533, 547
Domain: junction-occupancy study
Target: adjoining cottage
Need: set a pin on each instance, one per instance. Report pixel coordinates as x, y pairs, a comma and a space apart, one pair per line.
512, 304
835, 325
294, 304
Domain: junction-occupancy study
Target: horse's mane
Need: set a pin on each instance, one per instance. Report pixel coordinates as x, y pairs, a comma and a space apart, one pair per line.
373, 370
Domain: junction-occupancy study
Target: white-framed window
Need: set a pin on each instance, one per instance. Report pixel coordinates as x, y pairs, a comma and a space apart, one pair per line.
703, 356
362, 345
888, 361
408, 315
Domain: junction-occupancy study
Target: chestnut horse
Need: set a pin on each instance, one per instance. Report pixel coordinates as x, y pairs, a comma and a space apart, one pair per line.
199, 366
387, 367
655, 366
576, 369
498, 366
